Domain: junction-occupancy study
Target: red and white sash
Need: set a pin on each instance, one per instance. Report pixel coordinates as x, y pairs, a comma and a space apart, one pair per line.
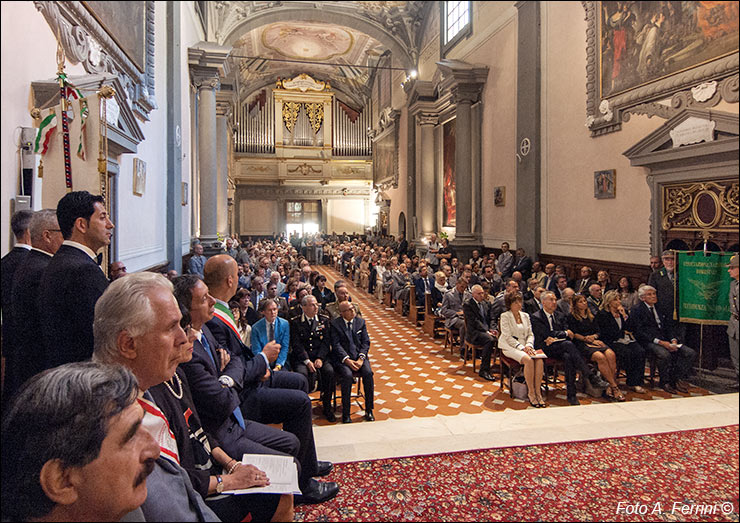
223, 313
156, 424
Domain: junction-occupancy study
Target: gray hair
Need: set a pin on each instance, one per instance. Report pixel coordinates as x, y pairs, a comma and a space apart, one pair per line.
476, 288
644, 289
41, 221
125, 306
339, 283
60, 414
547, 294
264, 302
305, 299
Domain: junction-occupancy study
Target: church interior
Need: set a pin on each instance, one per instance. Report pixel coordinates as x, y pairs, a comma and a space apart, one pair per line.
596, 134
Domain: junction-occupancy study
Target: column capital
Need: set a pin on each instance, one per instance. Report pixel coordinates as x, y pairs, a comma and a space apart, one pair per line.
205, 79
464, 80
224, 108
208, 64
424, 119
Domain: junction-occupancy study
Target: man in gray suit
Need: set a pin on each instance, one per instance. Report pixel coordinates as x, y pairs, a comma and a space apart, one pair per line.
732, 325
452, 308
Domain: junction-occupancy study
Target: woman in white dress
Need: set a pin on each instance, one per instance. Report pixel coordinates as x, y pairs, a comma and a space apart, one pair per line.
517, 342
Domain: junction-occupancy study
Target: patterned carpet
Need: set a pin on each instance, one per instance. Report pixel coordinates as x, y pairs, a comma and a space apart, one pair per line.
677, 476
416, 377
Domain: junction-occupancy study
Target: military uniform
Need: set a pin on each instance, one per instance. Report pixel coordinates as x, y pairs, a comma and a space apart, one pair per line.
333, 310
310, 341
733, 330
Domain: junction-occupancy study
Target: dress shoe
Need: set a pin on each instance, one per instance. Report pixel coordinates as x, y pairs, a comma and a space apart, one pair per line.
369, 416
330, 417
638, 389
573, 400
486, 375
670, 389
597, 382
346, 418
317, 492
681, 386
324, 468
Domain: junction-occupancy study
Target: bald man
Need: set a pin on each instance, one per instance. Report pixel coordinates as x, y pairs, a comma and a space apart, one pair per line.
280, 397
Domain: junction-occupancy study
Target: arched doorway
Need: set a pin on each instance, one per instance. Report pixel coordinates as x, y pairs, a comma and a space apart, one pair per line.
402, 225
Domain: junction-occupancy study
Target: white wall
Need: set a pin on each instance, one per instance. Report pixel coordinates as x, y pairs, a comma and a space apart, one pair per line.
257, 217
349, 215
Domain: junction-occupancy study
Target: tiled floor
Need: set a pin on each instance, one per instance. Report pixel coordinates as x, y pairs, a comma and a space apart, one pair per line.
427, 401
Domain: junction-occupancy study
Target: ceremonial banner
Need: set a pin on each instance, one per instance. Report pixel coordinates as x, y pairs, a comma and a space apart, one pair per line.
704, 287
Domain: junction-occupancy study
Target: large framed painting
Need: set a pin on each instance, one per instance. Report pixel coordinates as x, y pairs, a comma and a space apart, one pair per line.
448, 174
385, 157
641, 52
125, 22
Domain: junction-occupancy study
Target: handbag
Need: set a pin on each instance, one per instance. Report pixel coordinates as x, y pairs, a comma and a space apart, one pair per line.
519, 387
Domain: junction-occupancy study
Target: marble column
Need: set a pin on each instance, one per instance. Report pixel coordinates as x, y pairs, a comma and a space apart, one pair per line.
222, 174
324, 227
208, 158
426, 188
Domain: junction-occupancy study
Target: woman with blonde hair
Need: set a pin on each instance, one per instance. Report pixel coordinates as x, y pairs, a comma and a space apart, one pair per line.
516, 341
586, 336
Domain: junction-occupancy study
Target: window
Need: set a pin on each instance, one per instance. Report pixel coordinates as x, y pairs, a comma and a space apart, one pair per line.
455, 21
302, 217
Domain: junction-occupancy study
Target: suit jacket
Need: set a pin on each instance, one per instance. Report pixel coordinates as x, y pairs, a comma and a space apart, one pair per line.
646, 329
477, 323
254, 367
253, 298
282, 336
8, 265
523, 265
732, 325
664, 288
324, 299
452, 302
532, 306
581, 285
307, 343
26, 357
609, 329
69, 289
550, 284
340, 339
421, 291
542, 330
214, 403
403, 247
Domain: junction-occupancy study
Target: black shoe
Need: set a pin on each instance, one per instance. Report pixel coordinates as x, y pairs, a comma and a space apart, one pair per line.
573, 400
317, 492
329, 415
369, 416
486, 375
324, 468
346, 418
670, 389
597, 382
682, 386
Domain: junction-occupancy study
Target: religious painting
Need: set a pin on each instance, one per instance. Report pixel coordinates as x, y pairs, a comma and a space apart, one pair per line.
641, 42
125, 23
139, 177
605, 184
384, 157
499, 196
448, 174
307, 41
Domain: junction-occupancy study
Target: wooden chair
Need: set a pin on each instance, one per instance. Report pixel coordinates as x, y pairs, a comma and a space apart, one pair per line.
472, 348
353, 397
387, 299
414, 311
433, 324
556, 365
512, 367
399, 306
452, 337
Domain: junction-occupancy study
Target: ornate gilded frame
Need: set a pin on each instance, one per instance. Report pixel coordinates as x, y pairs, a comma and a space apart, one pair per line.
387, 131
702, 86
86, 41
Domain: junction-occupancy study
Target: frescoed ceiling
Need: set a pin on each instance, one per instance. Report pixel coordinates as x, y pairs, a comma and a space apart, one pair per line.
349, 35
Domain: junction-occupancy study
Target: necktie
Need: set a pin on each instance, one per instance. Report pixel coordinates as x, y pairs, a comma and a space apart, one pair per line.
655, 315
549, 320
270, 332
426, 285
480, 307
237, 410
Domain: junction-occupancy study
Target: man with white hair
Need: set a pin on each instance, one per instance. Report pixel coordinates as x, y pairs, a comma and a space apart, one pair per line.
655, 333
137, 325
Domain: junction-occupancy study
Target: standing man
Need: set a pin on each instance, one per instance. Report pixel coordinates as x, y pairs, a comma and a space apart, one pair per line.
197, 260
351, 345
403, 246
522, 264
19, 223
73, 281
431, 254
481, 328
665, 284
732, 325
654, 263
505, 261
25, 360
309, 351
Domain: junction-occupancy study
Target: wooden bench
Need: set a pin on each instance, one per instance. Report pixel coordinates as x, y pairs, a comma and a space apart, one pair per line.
433, 324
413, 308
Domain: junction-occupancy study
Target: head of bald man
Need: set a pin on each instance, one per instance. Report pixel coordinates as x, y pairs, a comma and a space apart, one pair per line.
221, 275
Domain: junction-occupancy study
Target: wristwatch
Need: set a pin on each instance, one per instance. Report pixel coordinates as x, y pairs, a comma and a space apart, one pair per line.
220, 484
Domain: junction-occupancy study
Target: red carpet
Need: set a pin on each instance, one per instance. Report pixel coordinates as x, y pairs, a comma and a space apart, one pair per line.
678, 476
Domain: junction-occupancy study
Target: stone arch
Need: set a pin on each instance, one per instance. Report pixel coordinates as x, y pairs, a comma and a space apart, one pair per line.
401, 224
324, 15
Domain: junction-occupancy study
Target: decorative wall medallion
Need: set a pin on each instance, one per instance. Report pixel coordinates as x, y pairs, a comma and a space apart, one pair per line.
692, 207
302, 83
304, 169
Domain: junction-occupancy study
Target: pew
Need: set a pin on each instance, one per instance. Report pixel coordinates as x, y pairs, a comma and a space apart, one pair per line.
413, 308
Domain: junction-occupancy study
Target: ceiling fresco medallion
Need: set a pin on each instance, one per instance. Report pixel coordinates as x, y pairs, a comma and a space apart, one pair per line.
307, 41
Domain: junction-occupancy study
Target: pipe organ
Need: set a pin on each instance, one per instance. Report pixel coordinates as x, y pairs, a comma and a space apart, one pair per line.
298, 114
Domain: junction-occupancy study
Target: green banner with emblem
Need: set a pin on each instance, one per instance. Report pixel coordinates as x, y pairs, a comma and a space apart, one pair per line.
704, 287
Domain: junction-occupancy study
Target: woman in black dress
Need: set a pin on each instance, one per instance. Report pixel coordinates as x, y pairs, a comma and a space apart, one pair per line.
586, 337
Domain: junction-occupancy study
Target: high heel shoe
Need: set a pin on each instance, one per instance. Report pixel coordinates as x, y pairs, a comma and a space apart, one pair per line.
541, 403
534, 403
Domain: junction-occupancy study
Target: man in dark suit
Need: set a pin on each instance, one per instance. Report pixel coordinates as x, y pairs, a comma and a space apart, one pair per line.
553, 337
423, 285
403, 246
481, 328
350, 347
281, 302
25, 360
452, 308
494, 280
655, 333
523, 264
73, 281
582, 284
533, 305
279, 397
550, 282
19, 223
663, 280
310, 343
258, 291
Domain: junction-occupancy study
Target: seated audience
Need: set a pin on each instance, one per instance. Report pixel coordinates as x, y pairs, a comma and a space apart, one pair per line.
564, 303
604, 281
655, 334
350, 347
271, 328
586, 337
74, 447
538, 274
481, 328
281, 302
310, 345
197, 260
581, 285
533, 305
517, 342
627, 293
342, 293
116, 270
614, 328
323, 295
452, 309
594, 298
